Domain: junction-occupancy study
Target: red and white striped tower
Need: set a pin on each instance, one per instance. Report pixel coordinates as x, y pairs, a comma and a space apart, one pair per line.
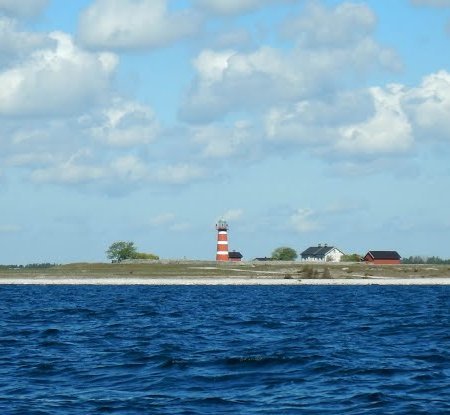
222, 241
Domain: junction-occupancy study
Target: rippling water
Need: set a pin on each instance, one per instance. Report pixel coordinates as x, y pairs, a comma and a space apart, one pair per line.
224, 350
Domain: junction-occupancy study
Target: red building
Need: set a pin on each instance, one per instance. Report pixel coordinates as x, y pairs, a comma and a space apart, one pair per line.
382, 257
235, 256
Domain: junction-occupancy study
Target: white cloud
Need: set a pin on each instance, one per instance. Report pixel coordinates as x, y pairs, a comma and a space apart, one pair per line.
229, 81
368, 123
315, 121
30, 159
162, 219
23, 8
124, 124
322, 27
177, 174
82, 167
56, 81
16, 44
71, 171
222, 141
181, 227
131, 24
232, 215
237, 38
387, 131
169, 221
117, 172
303, 221
428, 106
232, 7
320, 63
129, 168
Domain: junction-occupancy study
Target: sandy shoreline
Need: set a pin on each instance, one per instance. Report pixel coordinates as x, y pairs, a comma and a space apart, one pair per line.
220, 281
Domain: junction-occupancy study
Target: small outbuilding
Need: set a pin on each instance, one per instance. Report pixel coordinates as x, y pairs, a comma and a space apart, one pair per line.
382, 257
234, 256
321, 253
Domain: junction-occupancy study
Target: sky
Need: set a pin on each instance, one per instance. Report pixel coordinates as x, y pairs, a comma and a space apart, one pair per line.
299, 122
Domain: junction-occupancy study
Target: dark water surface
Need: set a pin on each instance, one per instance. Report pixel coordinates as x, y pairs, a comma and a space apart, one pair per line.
224, 350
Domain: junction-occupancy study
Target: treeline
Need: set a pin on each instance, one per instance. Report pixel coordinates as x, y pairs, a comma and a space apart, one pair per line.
41, 265
434, 260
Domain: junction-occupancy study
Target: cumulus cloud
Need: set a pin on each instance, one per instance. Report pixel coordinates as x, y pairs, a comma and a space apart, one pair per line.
82, 167
69, 78
428, 107
223, 141
320, 62
233, 7
237, 38
180, 173
181, 227
162, 219
315, 121
16, 43
229, 81
30, 159
303, 221
387, 131
125, 124
366, 125
370, 123
22, 8
131, 24
232, 215
170, 222
350, 22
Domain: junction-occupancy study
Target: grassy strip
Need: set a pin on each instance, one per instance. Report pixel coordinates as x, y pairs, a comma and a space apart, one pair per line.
297, 270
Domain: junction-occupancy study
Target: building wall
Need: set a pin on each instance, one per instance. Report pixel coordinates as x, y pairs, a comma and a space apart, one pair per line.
368, 258
334, 256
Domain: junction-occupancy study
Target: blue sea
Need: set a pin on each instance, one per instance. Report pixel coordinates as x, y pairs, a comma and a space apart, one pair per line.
224, 350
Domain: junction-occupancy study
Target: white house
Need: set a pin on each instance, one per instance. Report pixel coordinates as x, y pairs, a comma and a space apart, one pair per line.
322, 253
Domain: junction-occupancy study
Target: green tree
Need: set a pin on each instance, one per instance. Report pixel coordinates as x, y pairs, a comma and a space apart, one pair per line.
284, 253
351, 258
120, 250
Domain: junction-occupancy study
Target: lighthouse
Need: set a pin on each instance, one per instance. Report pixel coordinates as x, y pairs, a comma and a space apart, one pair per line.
222, 241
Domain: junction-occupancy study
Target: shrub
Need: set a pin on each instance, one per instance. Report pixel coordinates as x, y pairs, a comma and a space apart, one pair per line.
284, 253
143, 255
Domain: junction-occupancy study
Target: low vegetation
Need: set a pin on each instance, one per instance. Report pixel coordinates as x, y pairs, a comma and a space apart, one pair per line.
212, 269
44, 265
121, 251
284, 253
351, 258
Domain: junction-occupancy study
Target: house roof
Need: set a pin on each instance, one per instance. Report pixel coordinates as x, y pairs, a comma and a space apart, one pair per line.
384, 254
317, 251
234, 255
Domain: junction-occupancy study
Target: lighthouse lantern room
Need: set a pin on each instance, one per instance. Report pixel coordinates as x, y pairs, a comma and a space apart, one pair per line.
222, 241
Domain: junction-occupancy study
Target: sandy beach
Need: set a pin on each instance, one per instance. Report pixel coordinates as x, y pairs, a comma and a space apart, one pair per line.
222, 281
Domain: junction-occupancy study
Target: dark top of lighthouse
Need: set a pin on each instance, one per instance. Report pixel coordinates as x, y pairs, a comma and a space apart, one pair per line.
222, 225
